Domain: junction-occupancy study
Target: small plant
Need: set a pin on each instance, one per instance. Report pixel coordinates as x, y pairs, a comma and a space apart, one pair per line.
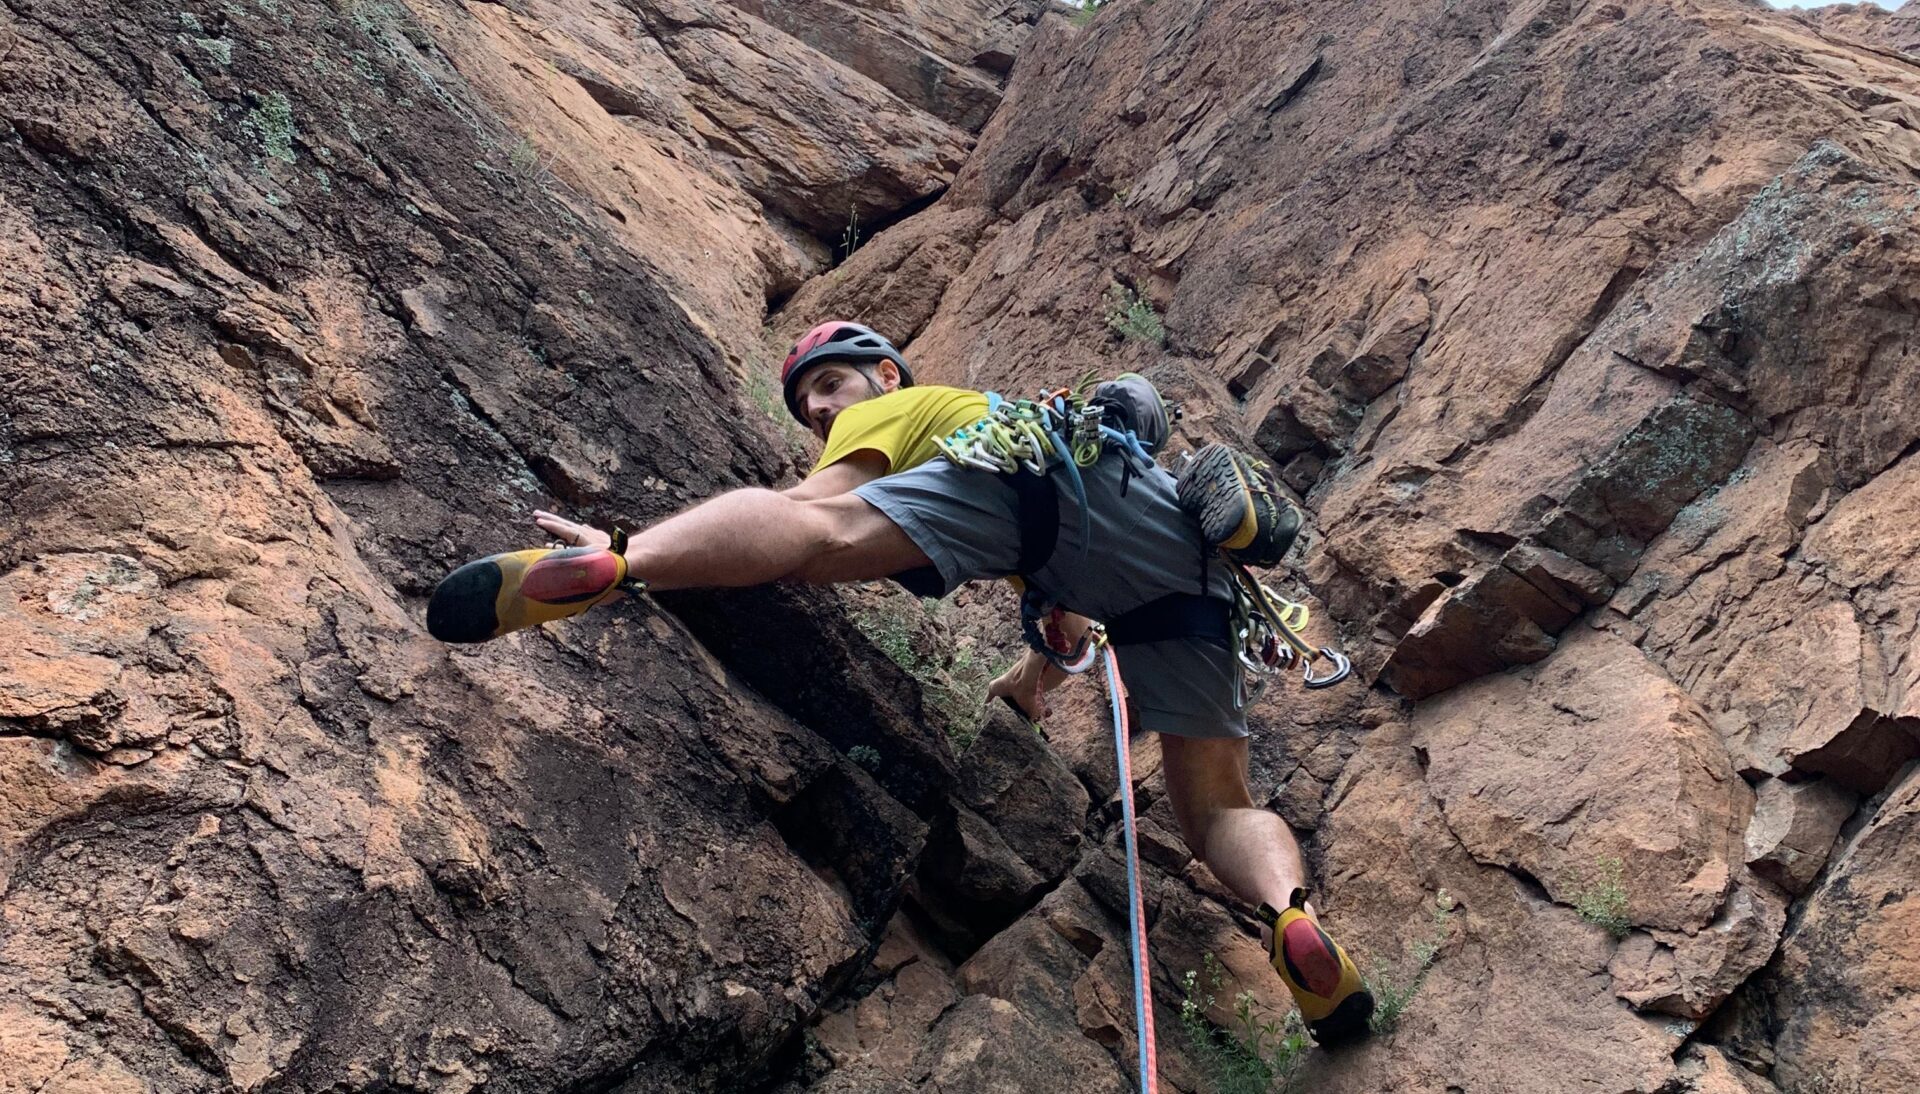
954, 688
527, 163
1603, 900
765, 394
866, 756
1257, 1055
271, 123
1088, 9
1392, 995
850, 238
1130, 316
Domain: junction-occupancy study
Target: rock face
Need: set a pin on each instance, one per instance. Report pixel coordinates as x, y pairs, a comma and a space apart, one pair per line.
1586, 334
303, 304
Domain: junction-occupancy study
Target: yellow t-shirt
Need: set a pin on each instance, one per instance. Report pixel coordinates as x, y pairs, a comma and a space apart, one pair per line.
901, 425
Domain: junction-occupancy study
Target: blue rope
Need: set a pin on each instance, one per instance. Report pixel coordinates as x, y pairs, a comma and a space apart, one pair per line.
1136, 915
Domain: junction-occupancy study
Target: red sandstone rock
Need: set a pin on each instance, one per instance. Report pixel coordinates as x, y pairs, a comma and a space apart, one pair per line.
1539, 309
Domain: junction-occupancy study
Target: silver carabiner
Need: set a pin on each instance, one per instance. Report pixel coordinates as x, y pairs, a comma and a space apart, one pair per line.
1342, 668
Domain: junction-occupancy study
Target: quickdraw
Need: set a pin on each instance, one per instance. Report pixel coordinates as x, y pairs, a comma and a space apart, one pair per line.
1042, 435
1266, 634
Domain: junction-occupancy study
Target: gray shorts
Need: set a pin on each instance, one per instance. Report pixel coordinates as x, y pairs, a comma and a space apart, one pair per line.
1142, 547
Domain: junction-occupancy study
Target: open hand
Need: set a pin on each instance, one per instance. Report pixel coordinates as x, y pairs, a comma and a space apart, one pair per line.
1025, 684
570, 533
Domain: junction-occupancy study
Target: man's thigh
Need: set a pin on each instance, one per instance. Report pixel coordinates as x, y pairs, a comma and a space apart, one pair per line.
1184, 686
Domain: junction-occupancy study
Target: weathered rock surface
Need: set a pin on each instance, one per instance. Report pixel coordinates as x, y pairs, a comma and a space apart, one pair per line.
1593, 756
1586, 332
1794, 828
1562, 320
293, 320
1845, 987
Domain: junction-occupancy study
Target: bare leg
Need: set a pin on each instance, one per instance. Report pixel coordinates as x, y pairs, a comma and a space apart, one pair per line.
750, 537
1251, 850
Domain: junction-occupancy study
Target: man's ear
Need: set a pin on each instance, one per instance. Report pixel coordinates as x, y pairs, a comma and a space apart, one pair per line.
888, 374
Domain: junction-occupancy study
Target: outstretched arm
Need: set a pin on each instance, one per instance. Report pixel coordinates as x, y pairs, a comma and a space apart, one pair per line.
842, 478
815, 531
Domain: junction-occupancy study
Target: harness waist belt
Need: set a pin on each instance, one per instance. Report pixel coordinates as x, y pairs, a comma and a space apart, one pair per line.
1178, 615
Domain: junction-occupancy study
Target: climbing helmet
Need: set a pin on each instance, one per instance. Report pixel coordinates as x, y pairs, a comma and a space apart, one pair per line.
836, 340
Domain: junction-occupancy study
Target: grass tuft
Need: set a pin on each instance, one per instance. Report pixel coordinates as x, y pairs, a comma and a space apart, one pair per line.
1603, 900
1088, 9
1256, 1054
1131, 316
953, 686
1393, 994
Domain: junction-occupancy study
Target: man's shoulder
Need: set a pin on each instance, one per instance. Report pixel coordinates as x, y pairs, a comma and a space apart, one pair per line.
907, 400
930, 393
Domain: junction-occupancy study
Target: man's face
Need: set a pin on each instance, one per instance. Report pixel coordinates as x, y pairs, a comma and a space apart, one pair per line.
828, 389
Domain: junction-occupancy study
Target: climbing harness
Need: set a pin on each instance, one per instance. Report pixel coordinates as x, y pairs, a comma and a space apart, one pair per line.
1029, 441
1064, 431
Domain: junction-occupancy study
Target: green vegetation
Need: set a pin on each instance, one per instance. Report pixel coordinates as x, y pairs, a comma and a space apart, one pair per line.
866, 756
1392, 994
1130, 316
526, 162
953, 686
1088, 9
270, 122
850, 239
1256, 1055
1603, 900
763, 389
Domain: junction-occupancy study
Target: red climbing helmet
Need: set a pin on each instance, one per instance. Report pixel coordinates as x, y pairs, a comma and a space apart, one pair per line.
836, 340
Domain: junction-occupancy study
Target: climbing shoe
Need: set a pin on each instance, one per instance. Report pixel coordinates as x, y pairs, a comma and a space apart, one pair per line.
1324, 983
1239, 507
503, 593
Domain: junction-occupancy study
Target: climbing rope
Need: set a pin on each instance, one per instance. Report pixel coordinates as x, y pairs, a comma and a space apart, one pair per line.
1136, 912
1091, 647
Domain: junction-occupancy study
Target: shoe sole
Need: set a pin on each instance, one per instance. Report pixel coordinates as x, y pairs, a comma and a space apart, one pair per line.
1218, 488
1214, 488
1350, 1021
463, 607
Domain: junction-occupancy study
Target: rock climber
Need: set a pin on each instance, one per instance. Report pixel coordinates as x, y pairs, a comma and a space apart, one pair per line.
881, 502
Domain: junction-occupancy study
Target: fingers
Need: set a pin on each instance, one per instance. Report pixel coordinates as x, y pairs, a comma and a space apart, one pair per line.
1026, 696
570, 533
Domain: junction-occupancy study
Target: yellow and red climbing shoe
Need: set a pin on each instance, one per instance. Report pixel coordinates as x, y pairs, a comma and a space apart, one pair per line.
1239, 507
1329, 991
503, 593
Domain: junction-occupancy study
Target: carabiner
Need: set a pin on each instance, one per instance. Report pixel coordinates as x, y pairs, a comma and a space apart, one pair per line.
1342, 668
